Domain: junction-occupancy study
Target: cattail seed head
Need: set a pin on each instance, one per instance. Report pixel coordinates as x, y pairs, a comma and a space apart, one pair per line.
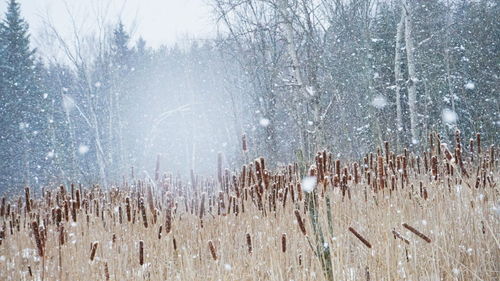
212, 250
416, 232
106, 271
168, 221
478, 140
141, 252
38, 239
361, 238
249, 243
174, 243
380, 167
283, 242
300, 222
93, 250
28, 202
143, 211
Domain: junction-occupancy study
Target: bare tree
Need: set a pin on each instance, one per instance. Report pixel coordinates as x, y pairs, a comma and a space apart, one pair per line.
399, 78
412, 78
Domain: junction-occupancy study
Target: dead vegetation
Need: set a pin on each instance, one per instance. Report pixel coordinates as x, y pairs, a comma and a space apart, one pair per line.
427, 216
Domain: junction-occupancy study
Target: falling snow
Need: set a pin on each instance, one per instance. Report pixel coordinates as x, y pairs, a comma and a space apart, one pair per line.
264, 122
83, 149
379, 102
308, 184
470, 86
449, 116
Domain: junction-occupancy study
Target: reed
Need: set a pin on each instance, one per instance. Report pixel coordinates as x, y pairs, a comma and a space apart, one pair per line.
266, 227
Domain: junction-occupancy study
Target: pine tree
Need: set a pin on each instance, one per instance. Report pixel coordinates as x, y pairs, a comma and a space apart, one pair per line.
22, 102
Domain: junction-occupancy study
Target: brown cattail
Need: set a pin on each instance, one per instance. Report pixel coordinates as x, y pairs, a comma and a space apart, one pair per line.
120, 219
127, 207
78, 202
61, 235
2, 208
159, 231
356, 176
141, 252
174, 243
202, 206
58, 216
212, 250
38, 240
28, 203
106, 271
361, 238
2, 235
93, 250
283, 242
478, 140
380, 166
168, 221
301, 222
416, 232
73, 211
405, 165
249, 243
434, 167
143, 211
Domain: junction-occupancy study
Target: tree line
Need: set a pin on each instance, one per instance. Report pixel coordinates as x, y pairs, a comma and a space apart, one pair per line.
293, 76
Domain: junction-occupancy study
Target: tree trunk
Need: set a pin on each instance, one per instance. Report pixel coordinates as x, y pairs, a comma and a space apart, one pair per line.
398, 78
412, 90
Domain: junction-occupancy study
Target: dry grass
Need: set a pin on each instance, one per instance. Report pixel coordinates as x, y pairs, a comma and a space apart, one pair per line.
387, 217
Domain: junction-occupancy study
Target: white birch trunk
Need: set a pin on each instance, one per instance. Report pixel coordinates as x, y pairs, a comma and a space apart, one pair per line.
412, 90
398, 78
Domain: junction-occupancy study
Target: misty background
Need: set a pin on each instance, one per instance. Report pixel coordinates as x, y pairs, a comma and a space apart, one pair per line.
92, 89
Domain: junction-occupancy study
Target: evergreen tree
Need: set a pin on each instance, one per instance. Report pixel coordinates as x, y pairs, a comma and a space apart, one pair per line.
22, 103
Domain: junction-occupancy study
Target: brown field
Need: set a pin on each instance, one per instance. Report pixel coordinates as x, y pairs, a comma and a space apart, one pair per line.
427, 216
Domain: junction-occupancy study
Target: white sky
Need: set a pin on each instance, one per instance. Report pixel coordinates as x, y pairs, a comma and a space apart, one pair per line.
157, 21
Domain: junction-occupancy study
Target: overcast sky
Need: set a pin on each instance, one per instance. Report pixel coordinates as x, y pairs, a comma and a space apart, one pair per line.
157, 21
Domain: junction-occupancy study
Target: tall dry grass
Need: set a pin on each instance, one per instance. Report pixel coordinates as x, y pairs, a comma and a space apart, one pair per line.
431, 216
